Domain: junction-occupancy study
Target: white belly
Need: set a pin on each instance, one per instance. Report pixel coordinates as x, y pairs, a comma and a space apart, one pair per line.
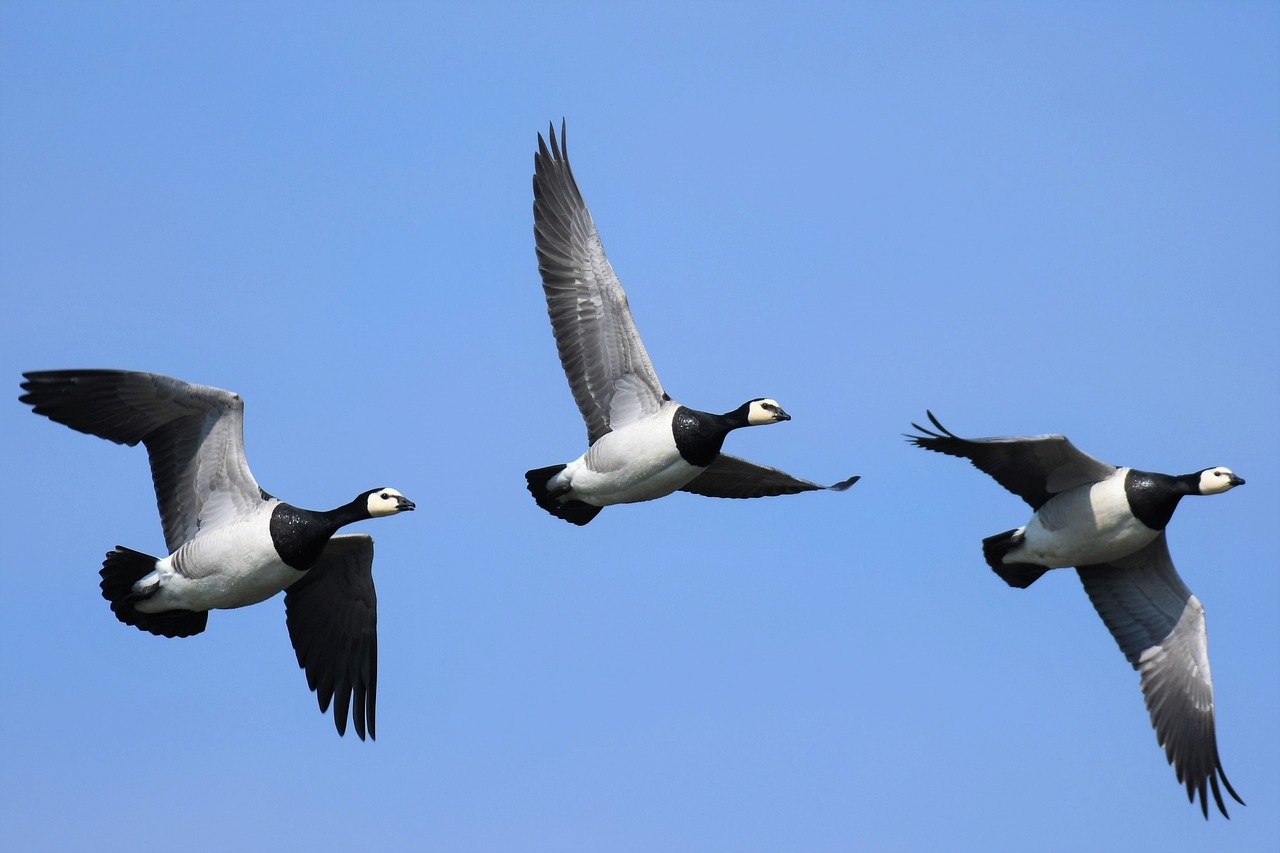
1083, 526
232, 566
637, 463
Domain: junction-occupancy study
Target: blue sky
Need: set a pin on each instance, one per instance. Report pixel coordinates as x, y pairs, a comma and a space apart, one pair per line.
1026, 217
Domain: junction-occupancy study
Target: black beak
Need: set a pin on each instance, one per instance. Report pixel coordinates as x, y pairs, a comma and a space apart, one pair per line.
780, 415
403, 504
1236, 481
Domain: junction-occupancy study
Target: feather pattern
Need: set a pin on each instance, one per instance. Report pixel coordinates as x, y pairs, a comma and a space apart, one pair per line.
332, 615
1109, 523
1035, 468
194, 437
1160, 627
734, 477
609, 372
231, 544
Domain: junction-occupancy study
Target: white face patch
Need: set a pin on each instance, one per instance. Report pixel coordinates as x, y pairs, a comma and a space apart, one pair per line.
1216, 480
765, 412
387, 502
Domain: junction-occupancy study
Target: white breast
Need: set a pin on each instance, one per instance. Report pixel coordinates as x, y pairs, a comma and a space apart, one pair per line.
636, 463
1083, 526
230, 566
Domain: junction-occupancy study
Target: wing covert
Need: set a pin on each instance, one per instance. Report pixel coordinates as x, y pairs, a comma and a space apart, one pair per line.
1035, 468
194, 437
609, 372
1160, 627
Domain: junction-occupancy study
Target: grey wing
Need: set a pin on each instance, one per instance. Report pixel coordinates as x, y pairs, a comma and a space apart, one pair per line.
194, 435
332, 614
1159, 625
732, 477
1034, 467
609, 372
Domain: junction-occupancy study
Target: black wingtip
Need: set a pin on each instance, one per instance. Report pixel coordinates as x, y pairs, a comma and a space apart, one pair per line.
1217, 793
1223, 774
939, 439
844, 484
558, 149
927, 434
555, 151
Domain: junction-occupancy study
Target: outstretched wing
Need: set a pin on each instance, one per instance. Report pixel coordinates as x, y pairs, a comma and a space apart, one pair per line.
1034, 467
194, 435
332, 614
1159, 625
732, 477
609, 372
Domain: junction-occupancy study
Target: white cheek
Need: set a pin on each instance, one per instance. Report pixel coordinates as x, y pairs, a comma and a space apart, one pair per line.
1211, 482
758, 414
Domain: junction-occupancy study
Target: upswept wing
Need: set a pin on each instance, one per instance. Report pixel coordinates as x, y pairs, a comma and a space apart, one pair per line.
1035, 467
332, 614
194, 435
1160, 627
733, 477
609, 372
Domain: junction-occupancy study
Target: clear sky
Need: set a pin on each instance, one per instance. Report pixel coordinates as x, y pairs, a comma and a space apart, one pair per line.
1028, 217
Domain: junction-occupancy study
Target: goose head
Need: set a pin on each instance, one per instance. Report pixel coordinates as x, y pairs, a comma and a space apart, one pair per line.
386, 501
762, 410
1214, 481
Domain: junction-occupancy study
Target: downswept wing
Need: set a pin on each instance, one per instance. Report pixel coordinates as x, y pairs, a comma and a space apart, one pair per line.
1160, 627
1035, 467
609, 372
332, 614
733, 477
194, 435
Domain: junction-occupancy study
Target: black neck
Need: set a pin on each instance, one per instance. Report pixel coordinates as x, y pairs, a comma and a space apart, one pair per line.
700, 435
1153, 497
299, 535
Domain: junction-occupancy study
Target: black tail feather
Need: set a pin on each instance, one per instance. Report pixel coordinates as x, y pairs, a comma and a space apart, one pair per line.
1021, 575
123, 568
576, 512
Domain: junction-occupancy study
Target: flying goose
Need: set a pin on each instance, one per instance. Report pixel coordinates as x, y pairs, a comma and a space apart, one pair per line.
230, 543
643, 444
1109, 523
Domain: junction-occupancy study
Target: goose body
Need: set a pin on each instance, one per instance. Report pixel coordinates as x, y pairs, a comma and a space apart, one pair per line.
1084, 525
230, 543
635, 463
1109, 523
642, 444
231, 566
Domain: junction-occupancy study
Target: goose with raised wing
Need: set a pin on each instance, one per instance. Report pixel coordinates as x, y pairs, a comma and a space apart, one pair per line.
230, 543
1109, 523
642, 444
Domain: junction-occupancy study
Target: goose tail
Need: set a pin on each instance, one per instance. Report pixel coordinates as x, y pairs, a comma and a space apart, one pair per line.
575, 512
1020, 575
121, 571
